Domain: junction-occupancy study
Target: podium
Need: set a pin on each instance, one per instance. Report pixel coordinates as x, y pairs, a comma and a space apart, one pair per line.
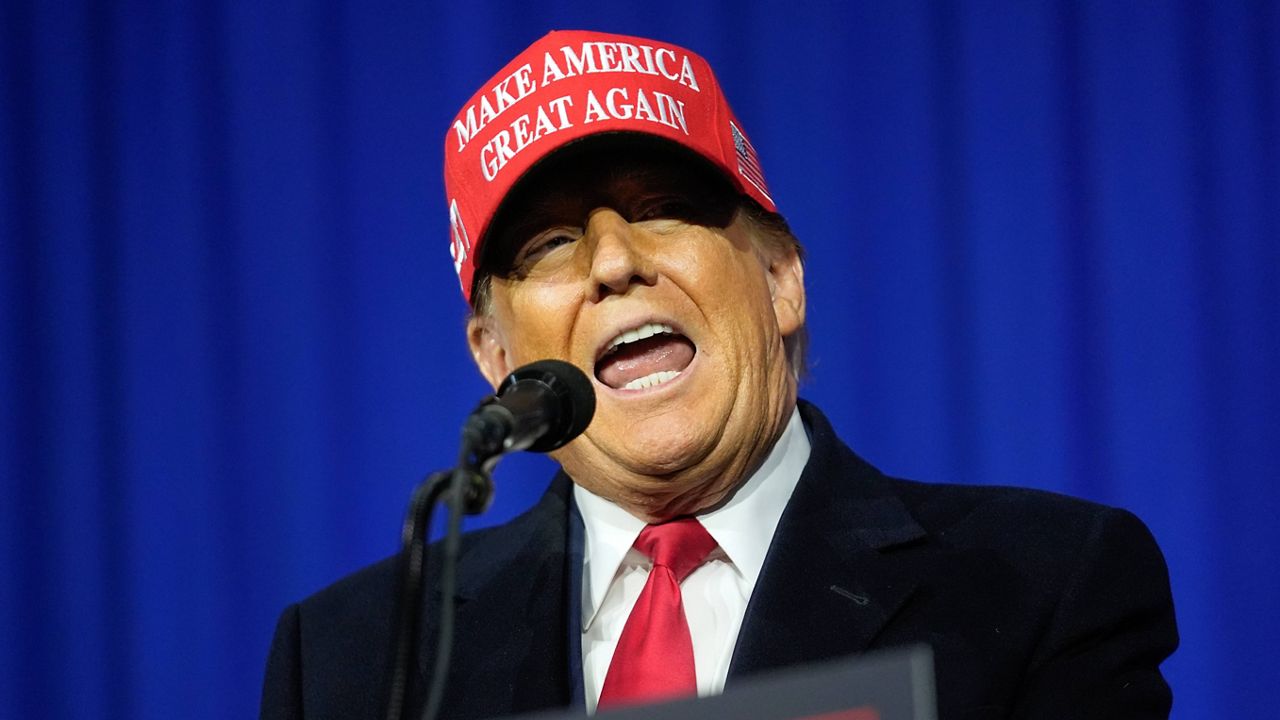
886, 685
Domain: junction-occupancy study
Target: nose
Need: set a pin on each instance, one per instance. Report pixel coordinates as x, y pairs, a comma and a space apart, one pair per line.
617, 261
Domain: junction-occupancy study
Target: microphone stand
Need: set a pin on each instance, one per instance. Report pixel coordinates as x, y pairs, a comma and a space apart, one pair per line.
539, 406
469, 490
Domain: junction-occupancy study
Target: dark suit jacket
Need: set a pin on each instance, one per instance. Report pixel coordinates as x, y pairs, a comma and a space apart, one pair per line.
1036, 605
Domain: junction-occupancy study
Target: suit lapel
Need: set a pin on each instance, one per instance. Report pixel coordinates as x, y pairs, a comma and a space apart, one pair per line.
510, 647
827, 587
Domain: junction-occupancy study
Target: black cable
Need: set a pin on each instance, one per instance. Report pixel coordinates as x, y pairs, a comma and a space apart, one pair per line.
469, 490
448, 589
411, 572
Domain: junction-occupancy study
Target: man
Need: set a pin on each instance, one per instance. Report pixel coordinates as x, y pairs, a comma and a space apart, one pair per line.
608, 210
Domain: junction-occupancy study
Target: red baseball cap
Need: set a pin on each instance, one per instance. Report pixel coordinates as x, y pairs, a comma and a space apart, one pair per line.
573, 84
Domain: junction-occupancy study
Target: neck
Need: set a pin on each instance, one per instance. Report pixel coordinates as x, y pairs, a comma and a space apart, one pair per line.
705, 485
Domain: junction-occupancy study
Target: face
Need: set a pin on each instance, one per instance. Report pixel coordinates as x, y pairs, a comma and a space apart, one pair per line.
637, 268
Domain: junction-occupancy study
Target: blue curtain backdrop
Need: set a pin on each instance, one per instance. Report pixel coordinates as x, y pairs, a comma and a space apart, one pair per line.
1044, 250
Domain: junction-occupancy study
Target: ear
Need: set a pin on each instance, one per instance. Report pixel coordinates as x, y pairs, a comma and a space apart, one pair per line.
487, 349
786, 289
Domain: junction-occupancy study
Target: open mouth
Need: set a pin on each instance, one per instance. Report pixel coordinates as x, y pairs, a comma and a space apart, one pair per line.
644, 357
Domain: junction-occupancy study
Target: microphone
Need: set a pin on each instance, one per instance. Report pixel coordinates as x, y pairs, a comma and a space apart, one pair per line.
538, 407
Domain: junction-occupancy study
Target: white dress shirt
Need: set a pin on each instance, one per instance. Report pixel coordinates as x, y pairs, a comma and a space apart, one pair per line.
715, 595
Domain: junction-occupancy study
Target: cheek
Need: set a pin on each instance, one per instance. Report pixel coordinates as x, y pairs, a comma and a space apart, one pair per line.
540, 324
735, 281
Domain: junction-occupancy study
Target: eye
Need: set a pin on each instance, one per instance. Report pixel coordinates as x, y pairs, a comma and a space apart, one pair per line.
666, 207
545, 243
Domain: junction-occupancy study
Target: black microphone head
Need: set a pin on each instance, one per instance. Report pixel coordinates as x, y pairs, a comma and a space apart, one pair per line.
576, 399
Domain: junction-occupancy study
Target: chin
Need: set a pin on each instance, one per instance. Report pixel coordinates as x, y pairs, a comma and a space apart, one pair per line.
667, 439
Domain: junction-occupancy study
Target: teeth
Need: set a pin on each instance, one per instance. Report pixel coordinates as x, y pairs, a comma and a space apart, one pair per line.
649, 381
647, 330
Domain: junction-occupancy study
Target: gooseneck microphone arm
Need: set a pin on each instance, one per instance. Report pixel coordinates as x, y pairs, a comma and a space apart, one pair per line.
539, 407
411, 571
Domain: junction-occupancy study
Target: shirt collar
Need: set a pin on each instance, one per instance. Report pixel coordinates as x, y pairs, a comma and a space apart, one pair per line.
610, 533
743, 526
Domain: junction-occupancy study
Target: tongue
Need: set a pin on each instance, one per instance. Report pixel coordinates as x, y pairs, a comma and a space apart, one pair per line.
644, 357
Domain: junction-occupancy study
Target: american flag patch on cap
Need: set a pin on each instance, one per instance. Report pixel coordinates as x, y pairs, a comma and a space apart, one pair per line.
748, 163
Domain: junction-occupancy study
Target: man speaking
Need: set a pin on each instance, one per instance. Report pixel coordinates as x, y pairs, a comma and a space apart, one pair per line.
607, 209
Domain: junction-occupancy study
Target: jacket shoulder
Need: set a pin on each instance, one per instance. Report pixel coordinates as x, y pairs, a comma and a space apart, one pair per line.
330, 653
1024, 520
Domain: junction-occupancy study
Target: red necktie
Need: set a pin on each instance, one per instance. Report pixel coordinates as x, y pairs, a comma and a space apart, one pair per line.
654, 657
